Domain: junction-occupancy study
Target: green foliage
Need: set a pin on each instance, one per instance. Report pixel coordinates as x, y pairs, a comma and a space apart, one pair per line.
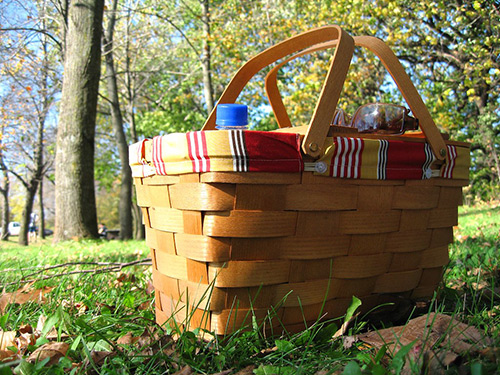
161, 122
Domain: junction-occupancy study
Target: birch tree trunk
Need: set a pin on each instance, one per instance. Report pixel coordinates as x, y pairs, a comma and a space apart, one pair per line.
75, 193
206, 63
4, 191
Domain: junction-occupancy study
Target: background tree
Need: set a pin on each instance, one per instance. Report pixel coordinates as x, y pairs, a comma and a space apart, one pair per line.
29, 71
170, 61
4, 191
125, 203
453, 49
75, 194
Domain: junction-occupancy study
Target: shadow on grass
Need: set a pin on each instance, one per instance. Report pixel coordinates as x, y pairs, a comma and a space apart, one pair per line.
477, 210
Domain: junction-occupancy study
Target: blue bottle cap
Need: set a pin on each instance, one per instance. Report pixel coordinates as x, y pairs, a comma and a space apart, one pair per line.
231, 115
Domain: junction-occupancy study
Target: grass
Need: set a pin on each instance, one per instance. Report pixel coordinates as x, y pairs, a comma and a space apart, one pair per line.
107, 319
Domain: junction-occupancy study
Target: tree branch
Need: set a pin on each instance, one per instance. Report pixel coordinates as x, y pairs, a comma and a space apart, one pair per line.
184, 36
112, 267
41, 31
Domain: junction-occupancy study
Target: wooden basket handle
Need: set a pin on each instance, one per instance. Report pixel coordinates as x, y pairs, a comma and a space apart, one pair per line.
330, 93
395, 69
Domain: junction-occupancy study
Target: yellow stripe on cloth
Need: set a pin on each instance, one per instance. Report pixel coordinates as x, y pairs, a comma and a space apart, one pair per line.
219, 149
175, 154
462, 164
370, 159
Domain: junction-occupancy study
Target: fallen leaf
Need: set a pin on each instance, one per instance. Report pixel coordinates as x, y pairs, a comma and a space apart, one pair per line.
455, 339
105, 306
150, 288
22, 296
225, 372
127, 339
186, 370
80, 307
26, 328
40, 323
52, 334
348, 341
247, 370
98, 357
7, 339
144, 306
4, 301
52, 350
7, 355
150, 343
490, 353
25, 340
264, 352
440, 361
124, 277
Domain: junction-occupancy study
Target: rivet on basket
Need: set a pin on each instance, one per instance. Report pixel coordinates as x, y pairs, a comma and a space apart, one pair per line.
313, 147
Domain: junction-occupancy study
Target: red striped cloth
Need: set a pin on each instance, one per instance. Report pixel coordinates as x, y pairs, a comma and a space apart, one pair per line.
257, 151
378, 159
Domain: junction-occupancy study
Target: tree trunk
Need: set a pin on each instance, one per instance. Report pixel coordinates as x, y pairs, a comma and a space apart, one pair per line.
75, 194
41, 228
206, 68
26, 218
138, 226
125, 205
139, 230
4, 190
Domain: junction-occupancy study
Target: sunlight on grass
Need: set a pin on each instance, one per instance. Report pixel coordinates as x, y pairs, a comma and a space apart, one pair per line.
107, 319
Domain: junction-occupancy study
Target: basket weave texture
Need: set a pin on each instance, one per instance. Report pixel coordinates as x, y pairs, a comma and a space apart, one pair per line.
250, 241
228, 247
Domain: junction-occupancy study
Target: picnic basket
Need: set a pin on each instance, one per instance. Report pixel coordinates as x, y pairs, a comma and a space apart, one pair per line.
297, 221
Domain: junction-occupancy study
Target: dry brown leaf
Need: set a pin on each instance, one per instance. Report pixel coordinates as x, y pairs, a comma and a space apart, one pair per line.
25, 328
150, 336
186, 370
7, 339
7, 355
324, 372
150, 288
348, 341
265, 352
490, 353
25, 340
440, 361
246, 371
98, 357
52, 334
40, 323
4, 301
127, 339
144, 306
22, 296
225, 372
123, 278
52, 350
455, 339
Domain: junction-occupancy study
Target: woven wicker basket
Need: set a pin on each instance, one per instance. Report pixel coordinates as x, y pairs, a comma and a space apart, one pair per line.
229, 246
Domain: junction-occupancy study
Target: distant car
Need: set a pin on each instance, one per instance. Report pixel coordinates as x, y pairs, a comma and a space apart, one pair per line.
48, 232
14, 228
